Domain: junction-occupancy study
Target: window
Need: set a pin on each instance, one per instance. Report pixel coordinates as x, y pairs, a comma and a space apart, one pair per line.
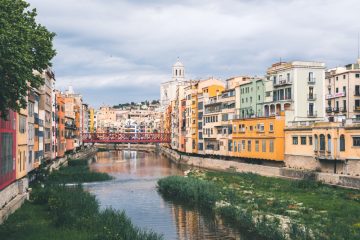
322, 142
329, 143
271, 127
342, 143
22, 124
271, 145
311, 77
344, 76
295, 140
310, 140
235, 146
260, 127
356, 141
6, 153
303, 140
357, 75
257, 145
47, 147
263, 145
230, 145
30, 109
243, 145
249, 145
316, 143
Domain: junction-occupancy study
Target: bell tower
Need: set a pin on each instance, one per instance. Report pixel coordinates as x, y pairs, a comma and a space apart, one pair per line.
178, 71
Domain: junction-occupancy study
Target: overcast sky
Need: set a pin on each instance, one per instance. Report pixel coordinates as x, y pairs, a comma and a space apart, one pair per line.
115, 51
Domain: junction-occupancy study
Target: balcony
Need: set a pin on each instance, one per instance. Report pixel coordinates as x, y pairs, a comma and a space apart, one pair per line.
356, 108
328, 109
311, 81
336, 109
357, 93
312, 113
282, 82
343, 109
311, 97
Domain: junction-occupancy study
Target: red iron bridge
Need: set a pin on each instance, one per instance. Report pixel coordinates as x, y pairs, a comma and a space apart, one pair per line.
117, 137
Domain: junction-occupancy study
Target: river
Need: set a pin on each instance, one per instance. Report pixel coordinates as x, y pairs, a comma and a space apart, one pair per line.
134, 191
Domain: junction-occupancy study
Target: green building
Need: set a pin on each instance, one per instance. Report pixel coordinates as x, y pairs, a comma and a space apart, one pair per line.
251, 97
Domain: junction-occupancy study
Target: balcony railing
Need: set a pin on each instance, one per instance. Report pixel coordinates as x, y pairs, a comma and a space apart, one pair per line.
311, 97
356, 108
282, 82
343, 109
336, 110
328, 109
311, 81
357, 93
312, 113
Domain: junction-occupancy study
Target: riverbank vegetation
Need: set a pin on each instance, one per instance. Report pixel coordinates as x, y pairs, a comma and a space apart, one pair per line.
59, 212
270, 207
77, 172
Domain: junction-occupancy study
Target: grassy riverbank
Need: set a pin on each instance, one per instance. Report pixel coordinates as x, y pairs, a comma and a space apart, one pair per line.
77, 172
271, 207
59, 212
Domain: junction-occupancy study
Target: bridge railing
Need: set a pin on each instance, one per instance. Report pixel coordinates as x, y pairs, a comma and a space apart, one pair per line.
116, 137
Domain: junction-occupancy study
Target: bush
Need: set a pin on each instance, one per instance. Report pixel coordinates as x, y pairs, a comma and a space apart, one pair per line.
191, 190
77, 162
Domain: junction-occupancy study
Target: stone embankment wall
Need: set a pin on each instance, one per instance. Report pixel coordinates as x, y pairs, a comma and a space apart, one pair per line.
14, 195
270, 171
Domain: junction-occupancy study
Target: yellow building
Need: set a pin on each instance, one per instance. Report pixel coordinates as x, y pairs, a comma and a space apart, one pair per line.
91, 120
325, 146
22, 144
259, 138
204, 90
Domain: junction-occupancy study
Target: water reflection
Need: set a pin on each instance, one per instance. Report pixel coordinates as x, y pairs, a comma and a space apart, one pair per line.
134, 191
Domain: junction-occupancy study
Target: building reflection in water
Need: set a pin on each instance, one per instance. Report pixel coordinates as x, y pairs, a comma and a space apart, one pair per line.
191, 225
134, 191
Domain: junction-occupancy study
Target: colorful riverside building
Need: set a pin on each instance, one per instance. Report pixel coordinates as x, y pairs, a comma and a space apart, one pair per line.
296, 87
332, 145
31, 164
342, 93
22, 143
259, 138
8, 150
204, 89
60, 120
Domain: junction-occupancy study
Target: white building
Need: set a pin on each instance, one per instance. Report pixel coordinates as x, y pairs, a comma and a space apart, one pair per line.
168, 89
297, 88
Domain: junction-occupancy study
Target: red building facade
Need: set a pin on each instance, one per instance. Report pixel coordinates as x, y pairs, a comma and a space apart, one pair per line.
7, 150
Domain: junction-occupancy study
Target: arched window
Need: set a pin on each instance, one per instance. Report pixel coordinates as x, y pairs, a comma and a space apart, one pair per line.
322, 142
342, 143
316, 145
329, 143
175, 72
179, 72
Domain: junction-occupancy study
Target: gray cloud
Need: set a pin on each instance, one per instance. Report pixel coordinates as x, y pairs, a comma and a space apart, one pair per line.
131, 45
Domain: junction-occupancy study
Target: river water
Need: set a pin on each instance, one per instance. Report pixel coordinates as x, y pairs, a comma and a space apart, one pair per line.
134, 191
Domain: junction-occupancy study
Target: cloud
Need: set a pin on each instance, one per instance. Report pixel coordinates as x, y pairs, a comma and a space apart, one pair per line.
132, 44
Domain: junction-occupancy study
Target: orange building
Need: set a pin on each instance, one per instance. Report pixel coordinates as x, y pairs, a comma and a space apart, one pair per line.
70, 133
259, 138
325, 146
60, 121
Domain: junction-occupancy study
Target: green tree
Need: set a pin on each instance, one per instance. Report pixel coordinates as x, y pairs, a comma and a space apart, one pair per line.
25, 46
